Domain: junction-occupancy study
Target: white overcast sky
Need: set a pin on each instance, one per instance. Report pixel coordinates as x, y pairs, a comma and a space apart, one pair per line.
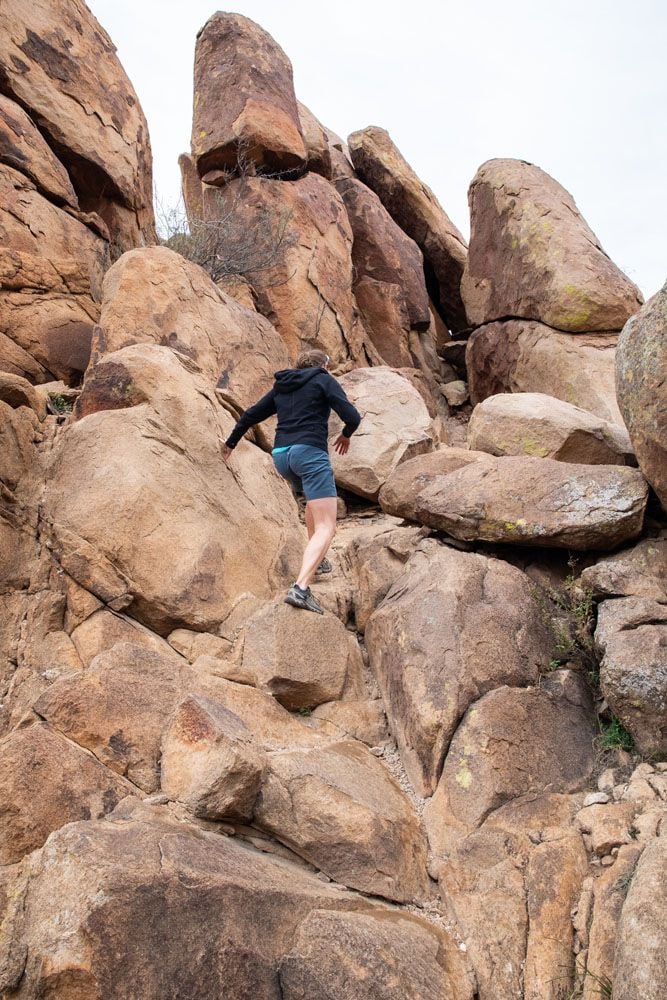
578, 87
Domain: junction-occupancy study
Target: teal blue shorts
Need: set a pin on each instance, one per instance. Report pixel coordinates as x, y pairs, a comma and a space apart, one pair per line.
307, 469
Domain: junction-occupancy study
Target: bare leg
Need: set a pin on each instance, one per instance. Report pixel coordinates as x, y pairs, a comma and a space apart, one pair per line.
310, 524
323, 513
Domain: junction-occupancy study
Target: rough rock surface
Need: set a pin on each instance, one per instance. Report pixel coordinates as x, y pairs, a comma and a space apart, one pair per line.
191, 190
23, 147
299, 258
640, 571
631, 636
453, 626
527, 501
318, 152
532, 256
395, 426
63, 68
531, 423
639, 964
302, 660
163, 526
641, 375
410, 478
522, 356
340, 809
244, 103
504, 748
414, 207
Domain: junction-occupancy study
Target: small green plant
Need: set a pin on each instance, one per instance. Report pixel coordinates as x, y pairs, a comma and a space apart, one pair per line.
58, 403
305, 711
603, 983
614, 735
569, 613
623, 883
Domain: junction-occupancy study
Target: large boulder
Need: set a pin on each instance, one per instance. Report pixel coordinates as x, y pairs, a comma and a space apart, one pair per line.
453, 626
61, 66
531, 423
318, 151
639, 571
293, 242
641, 374
45, 782
245, 110
414, 207
532, 256
389, 281
528, 501
640, 952
23, 147
631, 637
410, 478
235, 913
511, 742
338, 807
191, 191
395, 426
302, 660
162, 525
523, 356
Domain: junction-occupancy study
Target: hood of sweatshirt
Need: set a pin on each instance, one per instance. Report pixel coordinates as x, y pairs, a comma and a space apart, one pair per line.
291, 379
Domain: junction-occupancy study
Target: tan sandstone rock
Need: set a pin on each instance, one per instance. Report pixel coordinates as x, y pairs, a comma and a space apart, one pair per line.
523, 356
395, 426
318, 152
631, 637
531, 423
63, 68
410, 478
533, 256
191, 190
340, 809
511, 742
378, 561
453, 626
641, 371
163, 525
46, 782
244, 102
639, 571
639, 965
530, 501
23, 148
209, 761
414, 207
302, 660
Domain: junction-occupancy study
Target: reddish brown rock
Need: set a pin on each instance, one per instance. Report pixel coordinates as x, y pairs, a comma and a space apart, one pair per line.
63, 68
298, 258
378, 561
414, 207
641, 375
191, 190
318, 152
409, 479
522, 356
639, 965
527, 501
533, 256
244, 102
639, 571
339, 808
23, 148
46, 782
453, 626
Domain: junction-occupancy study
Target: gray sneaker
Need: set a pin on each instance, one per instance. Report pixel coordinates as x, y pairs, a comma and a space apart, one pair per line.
324, 567
299, 598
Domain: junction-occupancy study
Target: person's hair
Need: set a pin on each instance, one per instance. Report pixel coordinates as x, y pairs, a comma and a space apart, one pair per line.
312, 359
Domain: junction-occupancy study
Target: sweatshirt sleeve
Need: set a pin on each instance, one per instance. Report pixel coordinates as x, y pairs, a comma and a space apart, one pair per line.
261, 410
341, 405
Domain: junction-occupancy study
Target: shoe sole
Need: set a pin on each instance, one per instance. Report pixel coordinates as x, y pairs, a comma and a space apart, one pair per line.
296, 603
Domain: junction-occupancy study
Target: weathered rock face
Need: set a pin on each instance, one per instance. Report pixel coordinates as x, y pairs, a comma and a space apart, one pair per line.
528, 501
191, 190
641, 373
408, 480
23, 148
504, 748
395, 426
302, 660
631, 636
378, 561
340, 809
163, 525
236, 349
533, 256
388, 274
63, 68
531, 423
318, 152
453, 626
640, 571
46, 782
299, 258
244, 102
414, 207
639, 964
521, 356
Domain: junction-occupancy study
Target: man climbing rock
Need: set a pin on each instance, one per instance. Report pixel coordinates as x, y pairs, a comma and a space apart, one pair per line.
303, 398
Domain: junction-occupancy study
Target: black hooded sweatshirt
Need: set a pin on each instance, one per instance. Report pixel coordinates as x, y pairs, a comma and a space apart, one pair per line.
303, 398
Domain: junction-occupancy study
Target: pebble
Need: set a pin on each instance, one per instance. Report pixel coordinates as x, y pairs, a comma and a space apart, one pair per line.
596, 798
607, 860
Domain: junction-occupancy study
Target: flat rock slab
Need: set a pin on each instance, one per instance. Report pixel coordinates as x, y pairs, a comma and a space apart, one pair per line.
639, 571
529, 501
541, 426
